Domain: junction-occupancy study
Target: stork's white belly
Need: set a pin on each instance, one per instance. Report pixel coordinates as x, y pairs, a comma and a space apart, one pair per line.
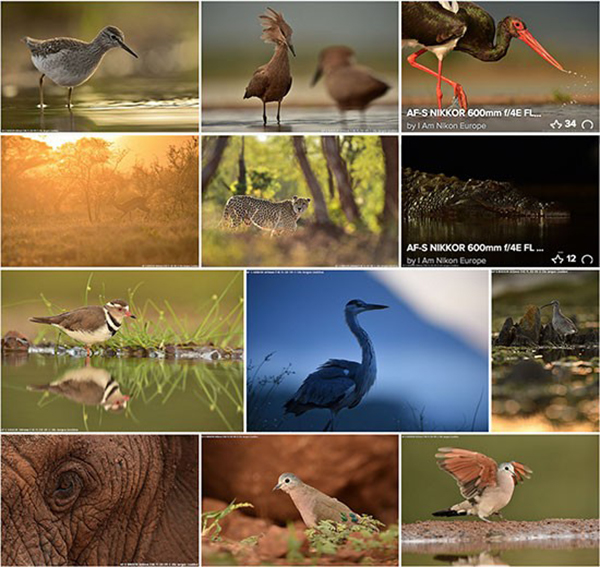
440, 51
98, 336
61, 69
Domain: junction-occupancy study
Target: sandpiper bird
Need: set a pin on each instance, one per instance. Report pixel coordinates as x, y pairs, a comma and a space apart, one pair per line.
88, 386
351, 86
90, 325
313, 505
487, 486
271, 82
71, 62
560, 323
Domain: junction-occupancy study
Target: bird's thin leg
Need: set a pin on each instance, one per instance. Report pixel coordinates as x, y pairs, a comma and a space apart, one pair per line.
69, 98
42, 92
264, 113
278, 110
459, 93
438, 89
327, 425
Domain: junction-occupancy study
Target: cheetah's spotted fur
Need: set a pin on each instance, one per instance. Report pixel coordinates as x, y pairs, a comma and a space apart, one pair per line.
281, 216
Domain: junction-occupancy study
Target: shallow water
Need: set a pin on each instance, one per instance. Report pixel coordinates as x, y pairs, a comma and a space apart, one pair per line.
124, 109
376, 119
563, 118
164, 395
550, 553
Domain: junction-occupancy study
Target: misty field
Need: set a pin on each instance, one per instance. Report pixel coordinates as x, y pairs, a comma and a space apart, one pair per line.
118, 201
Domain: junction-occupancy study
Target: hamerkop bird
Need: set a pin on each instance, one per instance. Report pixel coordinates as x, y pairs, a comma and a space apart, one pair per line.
271, 82
351, 86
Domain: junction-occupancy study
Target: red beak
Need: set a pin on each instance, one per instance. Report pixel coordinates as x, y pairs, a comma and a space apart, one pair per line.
537, 47
130, 314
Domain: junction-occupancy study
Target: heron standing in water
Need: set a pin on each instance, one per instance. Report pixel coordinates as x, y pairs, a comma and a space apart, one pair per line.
340, 384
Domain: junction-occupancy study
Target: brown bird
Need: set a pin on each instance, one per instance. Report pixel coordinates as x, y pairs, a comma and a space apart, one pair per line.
271, 82
88, 386
487, 486
90, 325
351, 86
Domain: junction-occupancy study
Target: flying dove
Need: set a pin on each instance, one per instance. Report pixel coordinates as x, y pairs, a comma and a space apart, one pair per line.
487, 486
313, 505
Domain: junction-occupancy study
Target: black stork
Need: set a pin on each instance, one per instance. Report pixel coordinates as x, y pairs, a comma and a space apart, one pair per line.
441, 27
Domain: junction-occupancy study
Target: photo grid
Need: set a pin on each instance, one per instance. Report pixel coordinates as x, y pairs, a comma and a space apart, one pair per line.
300, 283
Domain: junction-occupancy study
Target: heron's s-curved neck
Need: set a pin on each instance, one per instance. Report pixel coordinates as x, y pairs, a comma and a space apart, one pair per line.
368, 352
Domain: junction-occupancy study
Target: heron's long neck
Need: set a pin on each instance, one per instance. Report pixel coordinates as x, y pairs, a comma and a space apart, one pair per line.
368, 352
498, 51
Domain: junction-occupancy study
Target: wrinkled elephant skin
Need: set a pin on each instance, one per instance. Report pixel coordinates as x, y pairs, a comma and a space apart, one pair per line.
99, 499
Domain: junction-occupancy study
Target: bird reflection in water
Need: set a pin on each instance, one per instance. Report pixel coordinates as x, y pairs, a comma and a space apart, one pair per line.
87, 386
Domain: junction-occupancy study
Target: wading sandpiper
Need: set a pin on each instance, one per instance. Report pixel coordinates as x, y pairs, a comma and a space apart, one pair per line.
71, 62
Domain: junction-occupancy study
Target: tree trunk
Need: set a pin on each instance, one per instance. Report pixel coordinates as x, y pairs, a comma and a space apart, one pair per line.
340, 171
321, 213
386, 251
242, 184
390, 214
209, 170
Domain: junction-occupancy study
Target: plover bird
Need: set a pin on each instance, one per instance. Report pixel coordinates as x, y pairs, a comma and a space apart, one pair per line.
90, 325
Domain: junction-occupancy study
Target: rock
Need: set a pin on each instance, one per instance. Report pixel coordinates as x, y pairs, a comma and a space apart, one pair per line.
529, 326
361, 471
507, 333
14, 341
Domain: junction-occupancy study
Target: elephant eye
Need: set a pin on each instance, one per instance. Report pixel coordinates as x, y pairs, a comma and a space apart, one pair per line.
66, 490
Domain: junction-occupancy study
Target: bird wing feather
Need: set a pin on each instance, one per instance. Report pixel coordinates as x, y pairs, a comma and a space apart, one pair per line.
328, 508
77, 320
258, 83
523, 471
472, 471
436, 24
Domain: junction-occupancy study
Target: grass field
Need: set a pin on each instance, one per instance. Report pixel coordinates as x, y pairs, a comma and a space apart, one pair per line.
61, 240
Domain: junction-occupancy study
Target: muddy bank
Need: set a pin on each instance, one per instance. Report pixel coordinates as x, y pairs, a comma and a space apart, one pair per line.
464, 536
15, 345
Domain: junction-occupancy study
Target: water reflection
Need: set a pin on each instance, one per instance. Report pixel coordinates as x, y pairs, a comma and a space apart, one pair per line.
483, 558
121, 394
87, 386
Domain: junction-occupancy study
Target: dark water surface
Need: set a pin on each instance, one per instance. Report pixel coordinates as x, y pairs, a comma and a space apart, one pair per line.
165, 395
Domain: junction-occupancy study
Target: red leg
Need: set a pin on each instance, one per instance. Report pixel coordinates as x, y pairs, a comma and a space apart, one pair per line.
459, 93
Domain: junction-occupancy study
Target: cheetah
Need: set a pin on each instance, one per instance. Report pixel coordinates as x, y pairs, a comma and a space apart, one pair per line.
278, 217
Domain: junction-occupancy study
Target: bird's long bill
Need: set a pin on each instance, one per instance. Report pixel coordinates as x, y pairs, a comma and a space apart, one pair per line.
526, 36
276, 487
375, 306
317, 76
291, 48
128, 49
547, 305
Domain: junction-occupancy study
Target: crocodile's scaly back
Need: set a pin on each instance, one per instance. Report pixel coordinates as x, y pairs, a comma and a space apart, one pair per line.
439, 196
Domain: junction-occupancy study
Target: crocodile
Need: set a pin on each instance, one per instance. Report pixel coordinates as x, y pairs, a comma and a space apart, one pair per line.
440, 196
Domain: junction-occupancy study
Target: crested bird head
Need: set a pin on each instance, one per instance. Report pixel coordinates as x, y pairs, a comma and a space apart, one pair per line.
276, 30
112, 36
331, 58
356, 306
287, 482
119, 309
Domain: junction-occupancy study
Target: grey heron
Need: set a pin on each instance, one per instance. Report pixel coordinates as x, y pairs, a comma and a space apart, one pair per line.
340, 384
560, 323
